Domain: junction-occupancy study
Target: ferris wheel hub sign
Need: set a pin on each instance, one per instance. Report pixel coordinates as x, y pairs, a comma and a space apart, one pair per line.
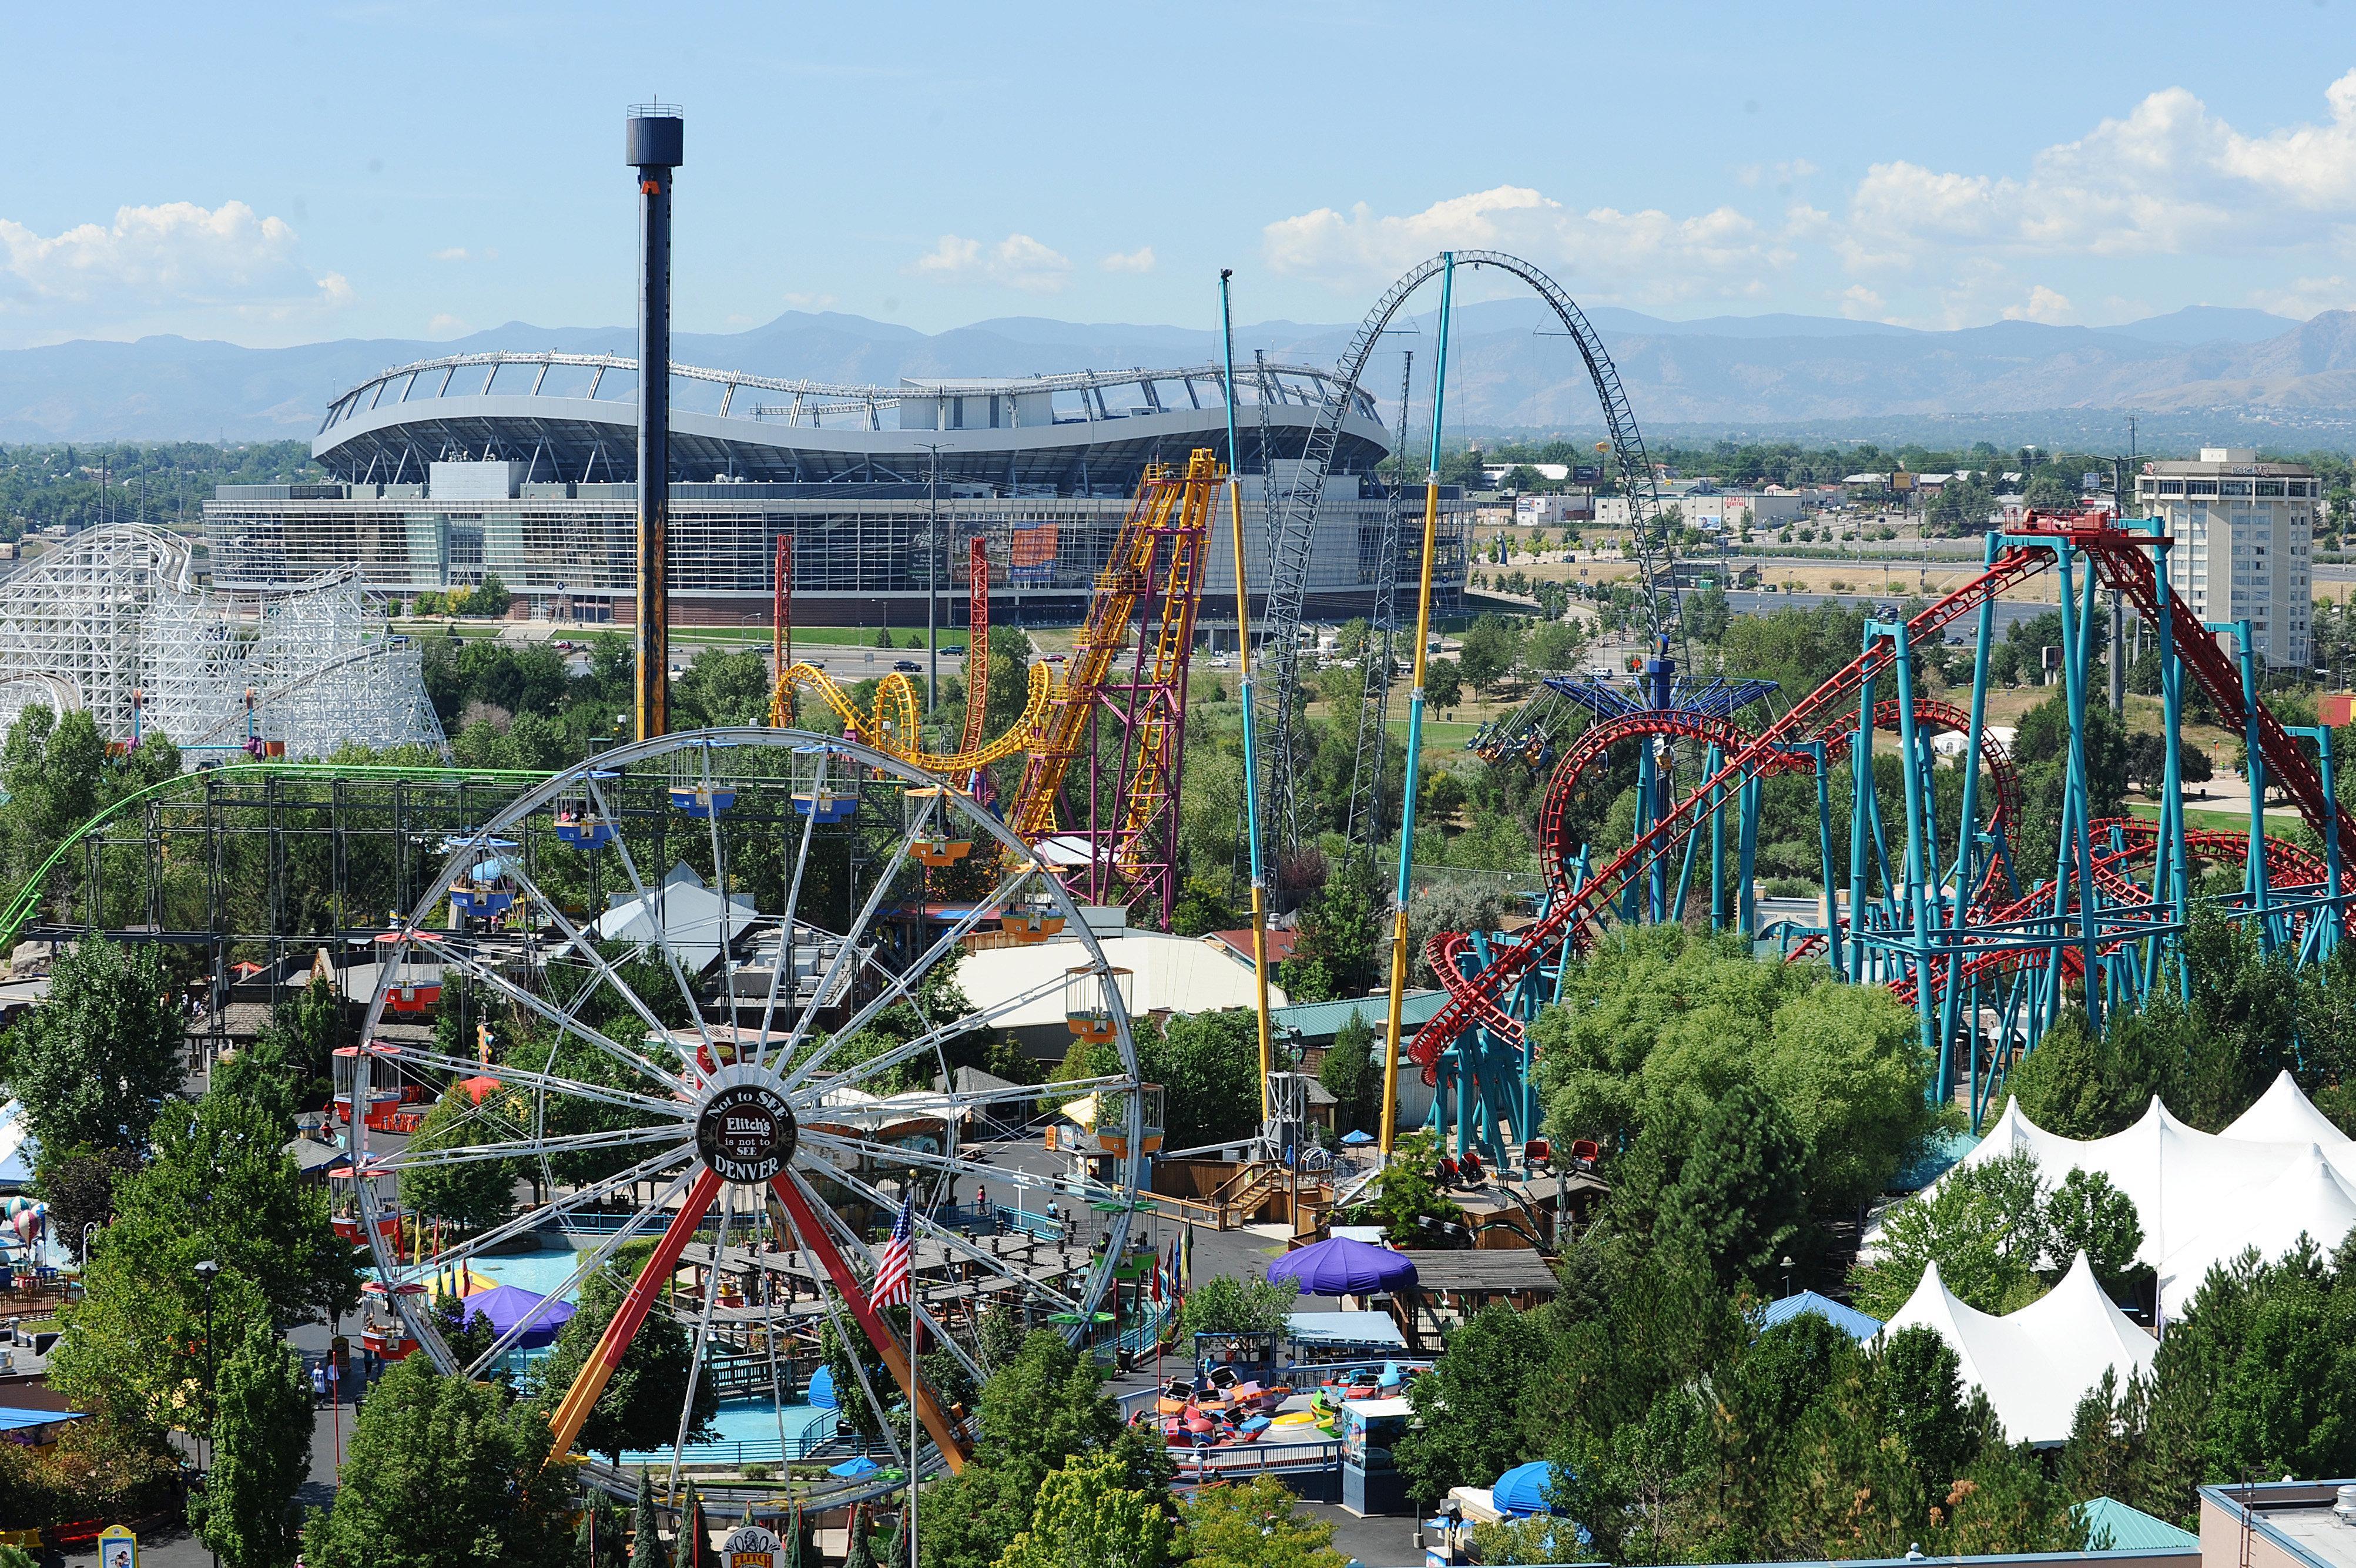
746, 1133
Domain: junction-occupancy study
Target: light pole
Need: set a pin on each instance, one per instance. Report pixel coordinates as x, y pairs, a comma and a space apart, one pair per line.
86, 1230
205, 1272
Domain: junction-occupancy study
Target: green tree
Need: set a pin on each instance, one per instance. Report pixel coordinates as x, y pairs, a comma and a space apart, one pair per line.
1491, 648
1256, 1525
1724, 1176
2087, 1214
1335, 942
1984, 1225
1480, 1409
1443, 684
1089, 1518
1226, 1305
93, 1062
442, 1471
490, 597
261, 1455
1407, 1201
645, 1527
639, 1406
1208, 1066
1349, 1074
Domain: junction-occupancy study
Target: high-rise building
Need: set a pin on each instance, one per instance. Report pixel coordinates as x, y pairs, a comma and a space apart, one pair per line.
2243, 532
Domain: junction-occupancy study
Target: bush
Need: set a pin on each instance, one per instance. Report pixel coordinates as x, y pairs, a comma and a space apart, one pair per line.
1790, 888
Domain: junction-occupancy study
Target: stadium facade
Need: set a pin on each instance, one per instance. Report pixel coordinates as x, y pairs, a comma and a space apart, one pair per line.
522, 466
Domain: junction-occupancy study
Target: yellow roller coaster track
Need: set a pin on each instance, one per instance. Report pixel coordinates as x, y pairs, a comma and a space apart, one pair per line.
894, 727
1124, 582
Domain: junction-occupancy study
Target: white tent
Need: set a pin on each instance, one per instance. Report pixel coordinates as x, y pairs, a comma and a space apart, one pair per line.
20, 1152
682, 911
2284, 1115
2037, 1363
2281, 1171
2310, 1198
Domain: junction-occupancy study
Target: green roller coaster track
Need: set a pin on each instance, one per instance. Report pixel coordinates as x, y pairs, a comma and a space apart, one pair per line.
27, 898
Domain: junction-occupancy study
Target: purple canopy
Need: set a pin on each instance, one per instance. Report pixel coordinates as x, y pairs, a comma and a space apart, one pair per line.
1344, 1267
504, 1306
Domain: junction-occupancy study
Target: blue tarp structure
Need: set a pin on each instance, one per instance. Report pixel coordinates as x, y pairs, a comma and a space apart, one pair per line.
1857, 1324
1522, 1490
1349, 1330
851, 1469
17, 1418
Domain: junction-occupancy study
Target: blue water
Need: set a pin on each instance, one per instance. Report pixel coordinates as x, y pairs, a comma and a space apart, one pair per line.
542, 1270
753, 1423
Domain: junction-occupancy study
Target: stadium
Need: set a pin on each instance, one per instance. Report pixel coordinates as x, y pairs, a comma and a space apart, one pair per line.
521, 464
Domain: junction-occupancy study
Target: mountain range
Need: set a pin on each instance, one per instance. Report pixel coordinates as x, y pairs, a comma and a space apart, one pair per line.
2207, 373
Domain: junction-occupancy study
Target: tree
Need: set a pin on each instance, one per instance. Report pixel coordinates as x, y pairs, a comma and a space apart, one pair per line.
1226, 1305
1724, 1176
1209, 1066
1443, 683
490, 597
639, 1406
1984, 1225
1202, 907
472, 1193
2087, 1214
1341, 927
1259, 1525
442, 1471
133, 1344
221, 1186
1087, 1517
1349, 1074
645, 1526
1407, 1201
1479, 1408
262, 1454
78, 1186
1491, 648
93, 1062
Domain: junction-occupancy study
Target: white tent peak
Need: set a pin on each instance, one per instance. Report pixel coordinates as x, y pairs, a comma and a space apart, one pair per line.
2034, 1365
2284, 1114
2308, 1198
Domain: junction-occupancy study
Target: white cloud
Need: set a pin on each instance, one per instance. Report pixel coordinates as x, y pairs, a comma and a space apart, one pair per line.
1140, 260
1017, 261
2042, 304
446, 325
2168, 177
177, 254
1647, 257
455, 253
1859, 303
2307, 297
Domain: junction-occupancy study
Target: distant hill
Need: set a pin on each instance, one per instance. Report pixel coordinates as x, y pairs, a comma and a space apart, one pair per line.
1511, 370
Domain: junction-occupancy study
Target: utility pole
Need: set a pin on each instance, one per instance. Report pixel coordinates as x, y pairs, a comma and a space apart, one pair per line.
932, 593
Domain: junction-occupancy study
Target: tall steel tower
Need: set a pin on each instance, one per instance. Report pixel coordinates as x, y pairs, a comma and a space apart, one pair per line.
652, 144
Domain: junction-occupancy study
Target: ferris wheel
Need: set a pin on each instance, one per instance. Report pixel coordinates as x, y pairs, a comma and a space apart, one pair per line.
694, 991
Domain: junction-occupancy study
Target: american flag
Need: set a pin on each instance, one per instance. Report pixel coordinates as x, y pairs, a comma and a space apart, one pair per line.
891, 1276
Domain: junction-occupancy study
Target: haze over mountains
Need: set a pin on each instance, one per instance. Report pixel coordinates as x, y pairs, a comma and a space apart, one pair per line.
2204, 372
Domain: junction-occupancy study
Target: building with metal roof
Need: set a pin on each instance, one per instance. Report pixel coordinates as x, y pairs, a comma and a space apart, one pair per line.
522, 466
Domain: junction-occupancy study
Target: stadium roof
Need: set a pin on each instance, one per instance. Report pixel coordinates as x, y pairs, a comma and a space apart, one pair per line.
572, 418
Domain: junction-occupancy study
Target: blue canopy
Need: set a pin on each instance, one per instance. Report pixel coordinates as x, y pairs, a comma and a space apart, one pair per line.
821, 1391
851, 1469
504, 1306
1349, 1330
1343, 1267
1857, 1324
1522, 1490
1355, 1138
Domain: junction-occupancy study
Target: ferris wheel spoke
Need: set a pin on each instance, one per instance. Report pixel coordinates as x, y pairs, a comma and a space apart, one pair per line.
951, 1239
577, 941
567, 1144
843, 955
793, 911
591, 1261
703, 1330
526, 1078
860, 1148
902, 987
654, 908
826, 1300
566, 1021
534, 1218
860, 1071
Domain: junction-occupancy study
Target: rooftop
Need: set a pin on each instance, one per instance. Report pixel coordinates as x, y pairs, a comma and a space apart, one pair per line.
2294, 1518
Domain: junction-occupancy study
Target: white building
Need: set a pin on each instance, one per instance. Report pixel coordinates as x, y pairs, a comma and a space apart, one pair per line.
1711, 510
2243, 531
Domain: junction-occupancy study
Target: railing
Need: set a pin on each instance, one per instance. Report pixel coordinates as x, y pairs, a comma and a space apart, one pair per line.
1198, 1465
740, 1451
1030, 1224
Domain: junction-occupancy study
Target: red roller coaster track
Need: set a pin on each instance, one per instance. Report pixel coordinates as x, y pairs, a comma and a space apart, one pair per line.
2119, 554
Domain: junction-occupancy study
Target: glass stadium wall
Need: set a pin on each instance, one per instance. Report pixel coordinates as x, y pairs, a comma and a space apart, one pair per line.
567, 552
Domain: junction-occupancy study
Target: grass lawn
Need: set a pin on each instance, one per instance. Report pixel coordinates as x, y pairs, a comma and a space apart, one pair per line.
2215, 821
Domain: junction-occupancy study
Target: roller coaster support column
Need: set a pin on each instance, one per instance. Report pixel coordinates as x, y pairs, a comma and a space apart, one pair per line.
1712, 760
1919, 870
2260, 908
2326, 931
1746, 906
1815, 749
1251, 746
1968, 863
1861, 809
1652, 784
1415, 712
2075, 856
2173, 881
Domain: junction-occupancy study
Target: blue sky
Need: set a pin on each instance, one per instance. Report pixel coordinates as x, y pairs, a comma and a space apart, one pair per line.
283, 174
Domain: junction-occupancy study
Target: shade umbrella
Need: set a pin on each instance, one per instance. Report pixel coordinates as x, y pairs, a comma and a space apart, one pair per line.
1523, 1488
852, 1469
1356, 1138
1343, 1267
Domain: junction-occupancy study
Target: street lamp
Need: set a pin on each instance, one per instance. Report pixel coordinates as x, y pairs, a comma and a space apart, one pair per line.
205, 1272
86, 1230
